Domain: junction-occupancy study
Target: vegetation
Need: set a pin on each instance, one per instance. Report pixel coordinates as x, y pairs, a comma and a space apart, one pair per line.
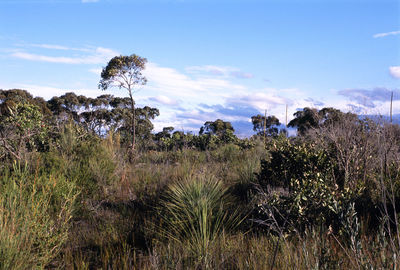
265, 125
125, 72
74, 195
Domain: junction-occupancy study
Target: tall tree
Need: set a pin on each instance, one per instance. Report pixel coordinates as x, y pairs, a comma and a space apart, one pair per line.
271, 125
125, 72
311, 118
305, 119
217, 127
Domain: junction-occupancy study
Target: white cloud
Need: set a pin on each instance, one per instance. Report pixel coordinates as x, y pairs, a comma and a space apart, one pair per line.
58, 47
395, 71
210, 70
98, 55
393, 33
203, 97
186, 99
171, 82
164, 100
96, 71
259, 100
242, 75
90, 1
47, 92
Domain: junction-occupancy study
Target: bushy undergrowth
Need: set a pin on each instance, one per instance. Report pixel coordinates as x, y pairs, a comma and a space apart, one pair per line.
35, 215
324, 200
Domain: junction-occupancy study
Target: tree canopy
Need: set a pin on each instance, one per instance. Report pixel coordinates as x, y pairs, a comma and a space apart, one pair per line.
271, 125
313, 118
217, 127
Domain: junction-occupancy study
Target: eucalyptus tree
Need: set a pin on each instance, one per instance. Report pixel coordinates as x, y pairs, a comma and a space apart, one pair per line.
125, 72
214, 133
10, 98
304, 120
270, 124
312, 118
217, 127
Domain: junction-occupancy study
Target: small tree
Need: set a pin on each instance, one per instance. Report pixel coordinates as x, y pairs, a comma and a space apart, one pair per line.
125, 72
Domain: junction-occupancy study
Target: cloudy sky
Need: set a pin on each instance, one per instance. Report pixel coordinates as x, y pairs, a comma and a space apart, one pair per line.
210, 59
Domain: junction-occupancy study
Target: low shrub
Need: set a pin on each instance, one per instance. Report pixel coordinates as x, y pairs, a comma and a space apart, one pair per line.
196, 212
35, 214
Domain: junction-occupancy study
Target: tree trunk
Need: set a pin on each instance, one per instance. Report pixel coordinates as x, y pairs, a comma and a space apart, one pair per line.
134, 127
133, 120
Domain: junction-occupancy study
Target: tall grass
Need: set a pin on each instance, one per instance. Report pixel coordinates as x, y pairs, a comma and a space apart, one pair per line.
35, 214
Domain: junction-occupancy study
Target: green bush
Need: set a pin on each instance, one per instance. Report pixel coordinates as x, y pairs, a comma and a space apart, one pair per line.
79, 156
22, 130
298, 187
290, 161
35, 214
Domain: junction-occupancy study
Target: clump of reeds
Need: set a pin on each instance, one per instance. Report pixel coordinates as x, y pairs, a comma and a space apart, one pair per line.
35, 214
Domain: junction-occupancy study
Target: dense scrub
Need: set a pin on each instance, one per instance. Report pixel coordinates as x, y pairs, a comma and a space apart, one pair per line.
73, 195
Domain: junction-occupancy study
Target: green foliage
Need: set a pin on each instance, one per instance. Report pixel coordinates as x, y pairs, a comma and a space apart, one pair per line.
124, 71
82, 157
329, 199
168, 141
104, 114
35, 214
218, 132
271, 123
290, 162
217, 127
22, 129
26, 118
312, 118
195, 211
212, 142
10, 98
300, 188
305, 119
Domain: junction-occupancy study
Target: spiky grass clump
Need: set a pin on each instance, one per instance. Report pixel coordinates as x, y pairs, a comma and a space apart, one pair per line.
195, 212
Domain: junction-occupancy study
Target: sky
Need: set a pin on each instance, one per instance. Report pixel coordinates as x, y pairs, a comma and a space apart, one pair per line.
208, 60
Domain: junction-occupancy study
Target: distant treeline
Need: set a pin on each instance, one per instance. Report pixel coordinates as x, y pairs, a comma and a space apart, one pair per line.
105, 113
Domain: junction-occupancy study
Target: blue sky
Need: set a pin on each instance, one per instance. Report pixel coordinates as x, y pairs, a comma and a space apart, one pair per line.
210, 59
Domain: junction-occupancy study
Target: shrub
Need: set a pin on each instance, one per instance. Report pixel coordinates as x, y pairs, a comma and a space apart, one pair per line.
298, 187
35, 214
22, 130
290, 161
86, 159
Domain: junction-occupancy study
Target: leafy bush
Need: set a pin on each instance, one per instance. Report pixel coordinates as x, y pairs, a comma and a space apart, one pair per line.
289, 162
22, 129
298, 186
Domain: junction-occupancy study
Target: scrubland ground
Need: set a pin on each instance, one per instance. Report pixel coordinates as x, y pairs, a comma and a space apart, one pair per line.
72, 198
